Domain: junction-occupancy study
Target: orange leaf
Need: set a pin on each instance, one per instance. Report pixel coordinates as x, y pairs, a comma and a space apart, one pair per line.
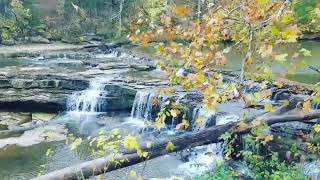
182, 11
307, 106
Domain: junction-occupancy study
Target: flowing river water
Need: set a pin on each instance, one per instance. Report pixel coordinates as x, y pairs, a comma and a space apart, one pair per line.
86, 118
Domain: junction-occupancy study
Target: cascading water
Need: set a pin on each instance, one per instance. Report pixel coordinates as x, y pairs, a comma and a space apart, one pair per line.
312, 169
88, 101
143, 105
84, 107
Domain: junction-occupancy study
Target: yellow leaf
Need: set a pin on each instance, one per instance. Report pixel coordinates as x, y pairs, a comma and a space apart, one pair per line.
307, 106
279, 84
133, 174
316, 128
267, 139
242, 126
131, 143
145, 154
263, 2
170, 147
287, 18
269, 108
291, 34
285, 102
174, 112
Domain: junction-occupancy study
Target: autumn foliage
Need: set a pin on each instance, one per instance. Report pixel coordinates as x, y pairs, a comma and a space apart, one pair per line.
191, 49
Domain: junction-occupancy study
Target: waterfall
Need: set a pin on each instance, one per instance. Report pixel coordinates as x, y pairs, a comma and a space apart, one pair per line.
203, 118
143, 106
88, 101
200, 117
312, 169
200, 160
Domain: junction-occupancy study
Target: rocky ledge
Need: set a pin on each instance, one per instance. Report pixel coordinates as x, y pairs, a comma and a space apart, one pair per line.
44, 84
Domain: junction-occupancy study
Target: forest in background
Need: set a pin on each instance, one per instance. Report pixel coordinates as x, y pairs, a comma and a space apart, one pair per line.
192, 40
73, 21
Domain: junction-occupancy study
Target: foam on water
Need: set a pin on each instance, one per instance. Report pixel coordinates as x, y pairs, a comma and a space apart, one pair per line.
87, 101
143, 104
206, 158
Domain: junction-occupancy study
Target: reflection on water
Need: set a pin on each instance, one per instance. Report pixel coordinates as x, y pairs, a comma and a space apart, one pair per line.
304, 75
25, 163
17, 163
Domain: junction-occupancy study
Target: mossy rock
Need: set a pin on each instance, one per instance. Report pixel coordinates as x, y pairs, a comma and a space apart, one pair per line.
3, 127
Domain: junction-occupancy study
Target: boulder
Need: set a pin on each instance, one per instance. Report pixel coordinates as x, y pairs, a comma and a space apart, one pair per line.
8, 42
39, 40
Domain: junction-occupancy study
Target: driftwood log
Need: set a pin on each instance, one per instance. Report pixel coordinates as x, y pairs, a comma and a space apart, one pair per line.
314, 69
187, 140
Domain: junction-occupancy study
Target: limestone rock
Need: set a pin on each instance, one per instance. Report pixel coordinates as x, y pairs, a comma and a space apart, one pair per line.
39, 40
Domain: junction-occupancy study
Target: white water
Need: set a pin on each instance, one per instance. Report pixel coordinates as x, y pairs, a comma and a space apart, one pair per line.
143, 104
312, 169
206, 158
113, 53
88, 101
200, 117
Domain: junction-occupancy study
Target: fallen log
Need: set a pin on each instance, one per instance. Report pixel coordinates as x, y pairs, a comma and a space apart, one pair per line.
187, 140
314, 69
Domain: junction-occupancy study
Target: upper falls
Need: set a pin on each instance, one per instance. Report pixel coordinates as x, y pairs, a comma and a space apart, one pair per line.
146, 105
88, 101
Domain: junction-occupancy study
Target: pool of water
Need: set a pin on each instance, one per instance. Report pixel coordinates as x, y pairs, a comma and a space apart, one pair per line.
304, 75
23, 163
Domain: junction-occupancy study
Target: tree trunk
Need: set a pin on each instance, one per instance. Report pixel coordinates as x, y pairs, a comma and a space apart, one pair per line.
199, 9
120, 18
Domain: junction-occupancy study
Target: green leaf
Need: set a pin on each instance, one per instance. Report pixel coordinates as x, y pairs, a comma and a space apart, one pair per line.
302, 64
263, 2
170, 147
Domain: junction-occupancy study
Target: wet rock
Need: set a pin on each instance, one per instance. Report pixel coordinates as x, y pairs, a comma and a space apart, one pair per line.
12, 120
142, 67
39, 39
311, 36
113, 66
242, 169
43, 116
291, 129
3, 127
8, 42
71, 40
36, 136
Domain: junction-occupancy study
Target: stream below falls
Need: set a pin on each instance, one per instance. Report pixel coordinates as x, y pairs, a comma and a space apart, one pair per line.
87, 112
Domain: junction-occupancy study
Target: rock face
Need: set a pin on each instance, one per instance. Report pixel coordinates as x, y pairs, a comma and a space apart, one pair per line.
44, 85
36, 136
